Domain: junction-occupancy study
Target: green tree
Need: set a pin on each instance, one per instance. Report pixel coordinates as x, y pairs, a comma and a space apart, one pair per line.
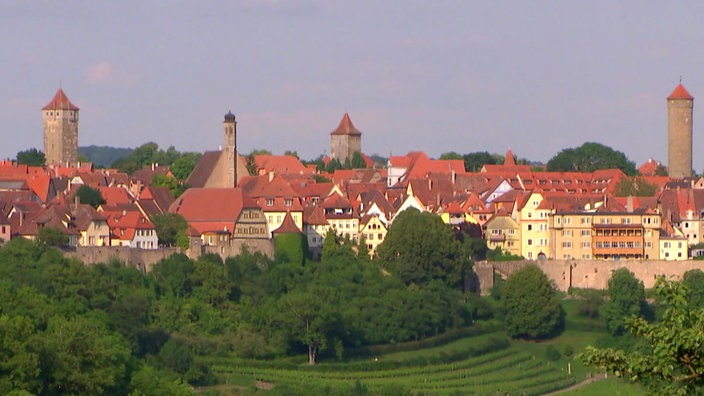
52, 236
184, 165
19, 365
671, 360
451, 156
81, 355
531, 304
419, 247
634, 187
473, 162
693, 280
590, 157
357, 161
626, 298
171, 229
89, 195
310, 316
31, 157
162, 180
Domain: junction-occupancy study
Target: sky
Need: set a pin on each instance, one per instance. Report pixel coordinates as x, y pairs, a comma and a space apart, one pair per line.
438, 76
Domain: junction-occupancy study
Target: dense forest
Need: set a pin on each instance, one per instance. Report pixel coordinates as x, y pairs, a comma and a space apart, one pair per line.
110, 329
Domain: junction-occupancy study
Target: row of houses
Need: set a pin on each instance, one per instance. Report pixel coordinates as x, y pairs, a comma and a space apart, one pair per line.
527, 212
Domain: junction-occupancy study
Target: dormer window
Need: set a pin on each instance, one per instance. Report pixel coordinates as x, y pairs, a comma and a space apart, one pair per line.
288, 202
269, 202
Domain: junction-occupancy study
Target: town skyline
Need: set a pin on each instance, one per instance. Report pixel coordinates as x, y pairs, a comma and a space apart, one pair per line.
437, 78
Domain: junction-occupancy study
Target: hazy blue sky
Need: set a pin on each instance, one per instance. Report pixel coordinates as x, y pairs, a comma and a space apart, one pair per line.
436, 76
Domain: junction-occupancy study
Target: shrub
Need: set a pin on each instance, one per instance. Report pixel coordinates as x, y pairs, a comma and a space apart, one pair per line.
551, 353
568, 350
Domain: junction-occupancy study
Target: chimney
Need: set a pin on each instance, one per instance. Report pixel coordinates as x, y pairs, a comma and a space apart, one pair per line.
271, 176
629, 204
454, 177
430, 184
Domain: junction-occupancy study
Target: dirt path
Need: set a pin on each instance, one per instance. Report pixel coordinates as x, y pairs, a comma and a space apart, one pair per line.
586, 382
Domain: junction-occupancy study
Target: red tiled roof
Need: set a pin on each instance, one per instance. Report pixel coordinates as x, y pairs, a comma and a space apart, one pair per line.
346, 127
288, 226
649, 167
509, 160
280, 164
680, 93
212, 204
115, 195
315, 215
60, 102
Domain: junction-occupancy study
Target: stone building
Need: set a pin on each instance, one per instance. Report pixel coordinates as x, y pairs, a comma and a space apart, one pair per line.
345, 140
680, 106
223, 168
60, 119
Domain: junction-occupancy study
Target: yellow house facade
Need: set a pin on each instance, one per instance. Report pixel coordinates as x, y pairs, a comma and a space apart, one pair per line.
504, 232
535, 230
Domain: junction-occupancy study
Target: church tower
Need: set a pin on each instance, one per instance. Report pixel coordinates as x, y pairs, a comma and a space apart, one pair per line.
60, 119
345, 140
230, 148
680, 106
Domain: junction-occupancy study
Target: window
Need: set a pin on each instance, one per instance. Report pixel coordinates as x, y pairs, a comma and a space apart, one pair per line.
666, 245
586, 233
530, 227
586, 244
380, 236
511, 232
288, 202
566, 233
530, 242
270, 202
566, 244
626, 220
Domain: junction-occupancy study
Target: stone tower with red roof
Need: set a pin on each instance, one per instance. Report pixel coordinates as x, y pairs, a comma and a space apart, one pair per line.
60, 118
680, 106
345, 140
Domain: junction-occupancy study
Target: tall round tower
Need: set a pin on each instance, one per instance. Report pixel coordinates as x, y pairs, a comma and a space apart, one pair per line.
60, 119
680, 107
230, 148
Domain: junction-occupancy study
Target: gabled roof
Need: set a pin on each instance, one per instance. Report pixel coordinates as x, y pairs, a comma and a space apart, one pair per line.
314, 215
60, 102
115, 195
280, 164
212, 204
346, 127
288, 226
337, 201
269, 186
680, 93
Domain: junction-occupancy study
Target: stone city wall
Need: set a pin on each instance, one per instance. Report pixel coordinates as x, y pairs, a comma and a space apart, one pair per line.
587, 274
144, 259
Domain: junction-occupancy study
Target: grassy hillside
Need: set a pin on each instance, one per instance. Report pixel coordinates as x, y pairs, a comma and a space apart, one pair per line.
484, 364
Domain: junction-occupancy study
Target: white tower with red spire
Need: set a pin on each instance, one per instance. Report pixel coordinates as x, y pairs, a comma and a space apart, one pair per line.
60, 119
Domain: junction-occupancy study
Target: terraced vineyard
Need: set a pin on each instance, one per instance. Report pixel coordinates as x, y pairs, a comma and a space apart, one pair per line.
504, 370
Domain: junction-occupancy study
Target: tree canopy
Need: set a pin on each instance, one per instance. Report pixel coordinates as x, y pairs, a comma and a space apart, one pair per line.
670, 360
531, 304
89, 195
171, 229
634, 187
590, 157
31, 157
419, 248
626, 298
